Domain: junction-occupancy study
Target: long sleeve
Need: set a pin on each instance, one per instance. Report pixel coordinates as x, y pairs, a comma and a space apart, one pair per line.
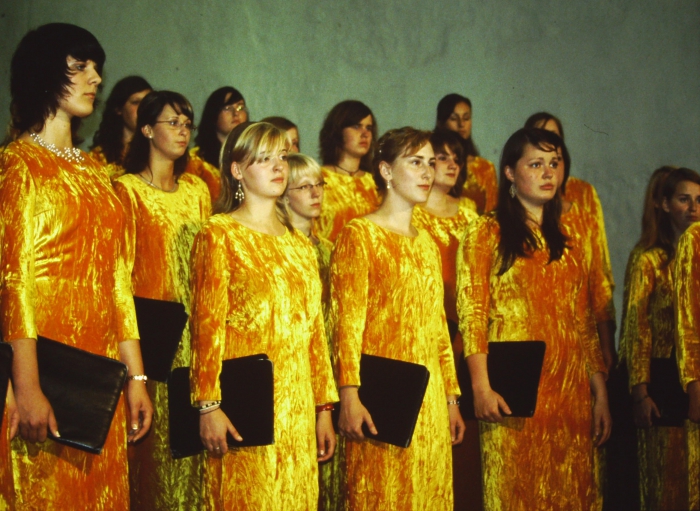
123, 292
321, 373
129, 204
687, 305
637, 330
600, 278
588, 334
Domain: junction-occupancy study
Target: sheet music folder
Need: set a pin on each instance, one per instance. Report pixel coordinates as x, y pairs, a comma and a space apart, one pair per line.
83, 389
247, 399
666, 391
393, 392
5, 373
161, 324
514, 369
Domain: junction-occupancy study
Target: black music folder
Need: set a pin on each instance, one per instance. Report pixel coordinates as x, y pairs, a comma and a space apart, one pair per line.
392, 391
667, 392
247, 399
5, 373
514, 369
83, 389
161, 324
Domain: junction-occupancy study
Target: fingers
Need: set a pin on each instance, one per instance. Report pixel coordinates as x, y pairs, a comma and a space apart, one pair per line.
655, 411
503, 405
370, 423
53, 425
326, 447
234, 433
14, 423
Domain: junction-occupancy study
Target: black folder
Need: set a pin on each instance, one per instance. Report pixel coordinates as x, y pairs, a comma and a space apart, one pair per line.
5, 373
83, 389
667, 392
392, 391
514, 369
247, 399
161, 324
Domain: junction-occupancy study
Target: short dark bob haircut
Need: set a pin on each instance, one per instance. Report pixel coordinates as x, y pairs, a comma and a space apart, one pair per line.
445, 139
444, 109
344, 114
109, 136
39, 74
151, 106
206, 139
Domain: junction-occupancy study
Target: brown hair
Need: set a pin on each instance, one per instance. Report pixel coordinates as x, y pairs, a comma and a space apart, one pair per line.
393, 144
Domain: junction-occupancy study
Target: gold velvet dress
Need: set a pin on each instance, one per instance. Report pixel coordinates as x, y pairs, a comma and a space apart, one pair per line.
545, 462
64, 277
114, 170
664, 453
481, 185
345, 198
161, 229
686, 278
206, 172
257, 293
387, 300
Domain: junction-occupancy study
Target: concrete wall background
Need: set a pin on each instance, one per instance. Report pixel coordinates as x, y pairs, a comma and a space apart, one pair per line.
623, 75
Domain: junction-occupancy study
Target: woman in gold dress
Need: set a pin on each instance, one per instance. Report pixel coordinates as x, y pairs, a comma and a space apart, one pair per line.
224, 110
165, 208
347, 143
118, 125
387, 300
63, 271
669, 456
521, 277
256, 289
454, 112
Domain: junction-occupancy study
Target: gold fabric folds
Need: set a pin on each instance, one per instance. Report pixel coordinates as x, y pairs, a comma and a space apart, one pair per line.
207, 172
481, 185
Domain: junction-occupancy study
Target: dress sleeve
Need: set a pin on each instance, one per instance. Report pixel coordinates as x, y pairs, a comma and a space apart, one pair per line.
600, 280
587, 332
208, 173
596, 209
129, 205
123, 291
687, 306
637, 329
211, 275
17, 285
491, 188
475, 259
349, 299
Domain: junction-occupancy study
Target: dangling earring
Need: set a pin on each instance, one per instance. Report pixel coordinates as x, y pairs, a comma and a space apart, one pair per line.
388, 184
239, 195
511, 191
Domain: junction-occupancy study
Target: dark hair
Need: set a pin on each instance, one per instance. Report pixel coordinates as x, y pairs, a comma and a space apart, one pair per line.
444, 109
664, 233
442, 139
539, 120
517, 238
652, 207
151, 106
393, 144
280, 122
39, 74
344, 114
206, 139
109, 136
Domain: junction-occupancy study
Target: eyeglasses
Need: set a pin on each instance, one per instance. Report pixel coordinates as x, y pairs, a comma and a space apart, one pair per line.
177, 125
234, 109
308, 188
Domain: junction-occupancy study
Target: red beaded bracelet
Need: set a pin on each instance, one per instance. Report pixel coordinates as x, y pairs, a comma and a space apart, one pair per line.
323, 408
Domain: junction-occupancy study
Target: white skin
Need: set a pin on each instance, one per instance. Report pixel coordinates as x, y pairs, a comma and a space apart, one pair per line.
293, 140
128, 114
535, 178
447, 170
32, 407
264, 181
167, 144
230, 117
411, 177
683, 210
357, 140
460, 120
304, 198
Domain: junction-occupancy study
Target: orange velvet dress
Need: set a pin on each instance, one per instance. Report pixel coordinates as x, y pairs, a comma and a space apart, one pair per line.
64, 277
161, 228
114, 170
206, 172
547, 461
664, 453
345, 198
686, 279
481, 185
257, 293
387, 300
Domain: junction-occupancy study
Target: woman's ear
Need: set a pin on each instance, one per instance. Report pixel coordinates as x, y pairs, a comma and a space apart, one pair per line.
510, 175
385, 170
236, 171
665, 206
147, 131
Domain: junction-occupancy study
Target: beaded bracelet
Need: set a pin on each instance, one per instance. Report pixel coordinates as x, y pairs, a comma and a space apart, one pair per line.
139, 377
210, 408
209, 405
323, 408
453, 402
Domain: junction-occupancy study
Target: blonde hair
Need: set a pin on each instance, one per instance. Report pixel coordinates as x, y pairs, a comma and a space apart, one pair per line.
245, 145
301, 166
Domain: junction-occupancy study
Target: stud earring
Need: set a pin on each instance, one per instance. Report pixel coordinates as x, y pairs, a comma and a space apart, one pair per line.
239, 195
511, 190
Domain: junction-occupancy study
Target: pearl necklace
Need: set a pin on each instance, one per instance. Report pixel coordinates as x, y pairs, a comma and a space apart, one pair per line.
71, 154
151, 183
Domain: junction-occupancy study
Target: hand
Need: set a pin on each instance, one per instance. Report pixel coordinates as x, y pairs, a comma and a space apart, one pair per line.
140, 410
694, 396
457, 426
602, 422
353, 414
12, 411
644, 406
213, 427
325, 436
35, 414
488, 404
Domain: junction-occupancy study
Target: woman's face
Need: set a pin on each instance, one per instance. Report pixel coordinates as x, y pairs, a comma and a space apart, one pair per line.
170, 134
129, 109
231, 116
265, 177
447, 169
293, 140
305, 196
535, 176
460, 120
357, 138
412, 175
684, 206
84, 78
